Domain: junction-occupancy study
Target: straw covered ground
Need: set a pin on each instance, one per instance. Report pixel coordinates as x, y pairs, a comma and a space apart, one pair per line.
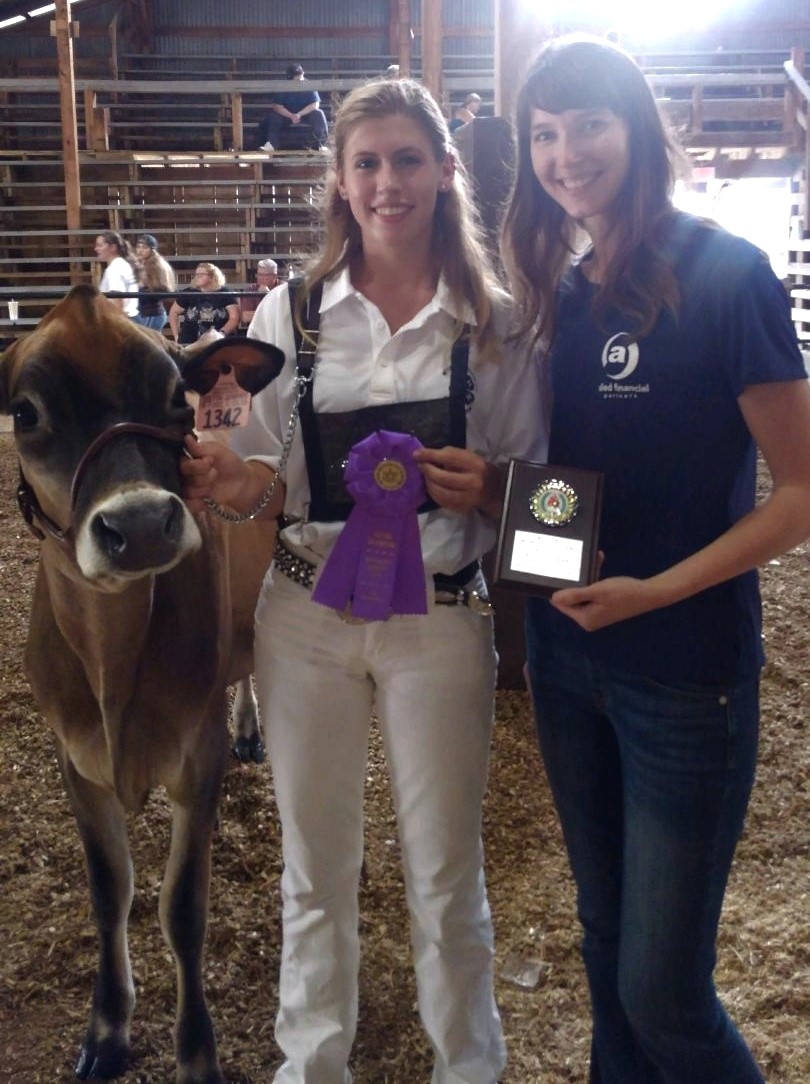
47, 953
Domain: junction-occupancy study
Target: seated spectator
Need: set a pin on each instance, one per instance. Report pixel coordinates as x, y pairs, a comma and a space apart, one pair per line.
119, 275
154, 273
288, 110
266, 279
205, 305
465, 112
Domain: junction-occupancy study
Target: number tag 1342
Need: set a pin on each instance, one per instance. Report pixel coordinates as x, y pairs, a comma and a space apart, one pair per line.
225, 406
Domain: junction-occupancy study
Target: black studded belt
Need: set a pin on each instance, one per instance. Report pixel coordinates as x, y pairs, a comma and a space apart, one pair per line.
448, 590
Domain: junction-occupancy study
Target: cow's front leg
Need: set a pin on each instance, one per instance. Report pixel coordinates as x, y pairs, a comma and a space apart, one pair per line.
184, 917
248, 744
105, 1052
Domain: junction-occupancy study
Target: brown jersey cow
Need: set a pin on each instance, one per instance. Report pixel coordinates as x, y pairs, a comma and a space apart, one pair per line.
138, 624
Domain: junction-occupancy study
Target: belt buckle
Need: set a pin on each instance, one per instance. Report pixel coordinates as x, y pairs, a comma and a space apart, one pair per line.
478, 604
460, 596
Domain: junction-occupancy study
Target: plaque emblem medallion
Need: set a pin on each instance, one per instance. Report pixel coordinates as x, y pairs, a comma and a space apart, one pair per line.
389, 474
554, 503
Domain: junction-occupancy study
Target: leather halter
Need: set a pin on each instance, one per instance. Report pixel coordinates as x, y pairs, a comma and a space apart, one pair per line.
27, 499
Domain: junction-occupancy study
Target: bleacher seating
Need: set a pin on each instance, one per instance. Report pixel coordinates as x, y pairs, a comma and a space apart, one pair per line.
169, 157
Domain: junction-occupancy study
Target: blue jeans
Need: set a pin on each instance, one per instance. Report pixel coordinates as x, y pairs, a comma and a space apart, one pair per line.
651, 786
156, 322
273, 127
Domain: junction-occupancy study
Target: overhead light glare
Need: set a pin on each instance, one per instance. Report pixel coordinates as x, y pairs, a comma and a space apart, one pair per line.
42, 10
10, 22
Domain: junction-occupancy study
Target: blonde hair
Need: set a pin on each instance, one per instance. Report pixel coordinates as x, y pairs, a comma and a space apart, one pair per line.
457, 243
213, 271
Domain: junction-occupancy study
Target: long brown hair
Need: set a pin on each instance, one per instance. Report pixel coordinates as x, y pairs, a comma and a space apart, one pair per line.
538, 238
457, 244
155, 273
113, 237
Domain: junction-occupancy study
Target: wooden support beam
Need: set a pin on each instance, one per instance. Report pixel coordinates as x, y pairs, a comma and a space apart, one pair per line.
519, 32
792, 99
96, 123
798, 87
432, 47
404, 36
70, 138
113, 32
237, 128
697, 109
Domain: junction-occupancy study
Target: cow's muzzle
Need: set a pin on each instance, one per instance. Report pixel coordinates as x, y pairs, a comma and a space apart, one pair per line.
41, 524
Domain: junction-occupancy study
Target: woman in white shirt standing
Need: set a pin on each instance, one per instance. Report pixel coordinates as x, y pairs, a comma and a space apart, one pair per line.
119, 275
401, 279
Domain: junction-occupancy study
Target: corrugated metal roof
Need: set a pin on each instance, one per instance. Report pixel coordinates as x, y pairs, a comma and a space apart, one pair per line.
782, 23
266, 13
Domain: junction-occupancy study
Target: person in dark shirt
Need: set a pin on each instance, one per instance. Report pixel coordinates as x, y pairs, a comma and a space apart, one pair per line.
154, 274
671, 356
289, 109
266, 280
465, 112
206, 305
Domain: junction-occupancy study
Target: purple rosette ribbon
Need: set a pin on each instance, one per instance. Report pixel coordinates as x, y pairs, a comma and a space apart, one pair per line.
375, 568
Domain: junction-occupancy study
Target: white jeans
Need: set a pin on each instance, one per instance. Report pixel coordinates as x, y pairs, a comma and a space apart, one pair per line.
431, 681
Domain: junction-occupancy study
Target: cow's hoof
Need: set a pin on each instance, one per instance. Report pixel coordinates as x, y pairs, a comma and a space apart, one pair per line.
249, 749
216, 1078
241, 749
257, 753
102, 1061
200, 1076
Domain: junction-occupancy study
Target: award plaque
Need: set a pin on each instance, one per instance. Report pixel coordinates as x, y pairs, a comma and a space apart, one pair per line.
549, 530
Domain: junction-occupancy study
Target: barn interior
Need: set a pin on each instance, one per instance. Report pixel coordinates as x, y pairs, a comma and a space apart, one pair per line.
136, 116
142, 115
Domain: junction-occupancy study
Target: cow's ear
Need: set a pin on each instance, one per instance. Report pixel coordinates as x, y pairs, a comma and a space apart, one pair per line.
5, 378
256, 364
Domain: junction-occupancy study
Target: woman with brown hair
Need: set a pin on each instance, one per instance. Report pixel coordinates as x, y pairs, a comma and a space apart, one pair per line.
119, 275
154, 274
672, 358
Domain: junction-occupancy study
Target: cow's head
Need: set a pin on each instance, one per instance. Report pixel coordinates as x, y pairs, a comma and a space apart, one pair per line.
99, 415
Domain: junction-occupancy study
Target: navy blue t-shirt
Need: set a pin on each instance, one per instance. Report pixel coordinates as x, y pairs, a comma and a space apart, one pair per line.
660, 417
296, 100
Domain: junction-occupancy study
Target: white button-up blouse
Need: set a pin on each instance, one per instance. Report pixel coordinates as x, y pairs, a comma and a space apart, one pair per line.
360, 363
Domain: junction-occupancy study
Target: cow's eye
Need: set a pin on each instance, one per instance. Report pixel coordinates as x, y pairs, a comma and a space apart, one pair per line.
25, 415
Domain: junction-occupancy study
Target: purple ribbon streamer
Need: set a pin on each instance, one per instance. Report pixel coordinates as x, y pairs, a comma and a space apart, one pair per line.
376, 564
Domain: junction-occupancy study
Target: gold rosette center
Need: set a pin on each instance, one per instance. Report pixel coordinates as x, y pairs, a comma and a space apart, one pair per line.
389, 474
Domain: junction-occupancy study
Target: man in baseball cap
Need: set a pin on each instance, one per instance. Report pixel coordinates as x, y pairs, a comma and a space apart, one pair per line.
289, 109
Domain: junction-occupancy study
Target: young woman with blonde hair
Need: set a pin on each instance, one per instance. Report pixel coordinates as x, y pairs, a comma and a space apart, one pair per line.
406, 326
207, 305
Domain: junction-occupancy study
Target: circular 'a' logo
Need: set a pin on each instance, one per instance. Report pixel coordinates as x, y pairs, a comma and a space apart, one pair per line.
620, 356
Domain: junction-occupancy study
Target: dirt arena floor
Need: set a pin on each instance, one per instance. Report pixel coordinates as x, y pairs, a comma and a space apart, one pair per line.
47, 940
